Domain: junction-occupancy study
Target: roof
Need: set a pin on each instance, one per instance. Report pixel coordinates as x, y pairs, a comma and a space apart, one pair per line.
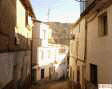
96, 5
89, 8
28, 6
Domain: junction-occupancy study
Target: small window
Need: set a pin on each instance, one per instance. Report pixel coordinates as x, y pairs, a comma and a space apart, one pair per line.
26, 21
103, 24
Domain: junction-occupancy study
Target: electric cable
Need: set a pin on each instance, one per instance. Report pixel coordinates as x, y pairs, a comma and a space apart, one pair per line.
81, 0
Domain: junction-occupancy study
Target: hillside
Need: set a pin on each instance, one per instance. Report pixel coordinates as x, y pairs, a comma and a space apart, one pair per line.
60, 32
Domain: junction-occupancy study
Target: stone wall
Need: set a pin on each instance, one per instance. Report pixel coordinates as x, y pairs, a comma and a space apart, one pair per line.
8, 23
15, 58
14, 66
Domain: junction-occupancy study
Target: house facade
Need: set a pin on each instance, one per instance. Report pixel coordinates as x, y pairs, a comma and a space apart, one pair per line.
48, 59
15, 42
77, 52
93, 48
99, 44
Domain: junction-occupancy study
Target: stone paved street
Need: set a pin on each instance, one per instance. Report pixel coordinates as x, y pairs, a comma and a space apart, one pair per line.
55, 85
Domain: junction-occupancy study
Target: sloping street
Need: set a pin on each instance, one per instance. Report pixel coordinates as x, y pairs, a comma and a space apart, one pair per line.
62, 84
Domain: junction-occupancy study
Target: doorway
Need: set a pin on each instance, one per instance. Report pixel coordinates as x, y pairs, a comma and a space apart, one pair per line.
42, 73
93, 73
33, 74
78, 74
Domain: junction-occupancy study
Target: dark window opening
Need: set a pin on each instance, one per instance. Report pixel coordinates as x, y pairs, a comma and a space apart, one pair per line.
26, 22
103, 24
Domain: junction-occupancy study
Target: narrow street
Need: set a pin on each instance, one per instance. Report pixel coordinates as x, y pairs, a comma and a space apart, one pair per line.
55, 44
62, 84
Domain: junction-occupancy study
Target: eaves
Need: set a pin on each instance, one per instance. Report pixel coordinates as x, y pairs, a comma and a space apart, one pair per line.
28, 6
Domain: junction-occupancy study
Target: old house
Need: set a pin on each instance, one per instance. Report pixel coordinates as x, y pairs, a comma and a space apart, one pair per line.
99, 24
47, 57
91, 44
41, 33
77, 52
15, 42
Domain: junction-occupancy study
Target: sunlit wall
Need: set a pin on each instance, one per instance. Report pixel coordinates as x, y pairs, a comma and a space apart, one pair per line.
50, 53
24, 22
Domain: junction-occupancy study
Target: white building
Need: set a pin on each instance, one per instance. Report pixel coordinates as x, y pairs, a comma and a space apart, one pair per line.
49, 56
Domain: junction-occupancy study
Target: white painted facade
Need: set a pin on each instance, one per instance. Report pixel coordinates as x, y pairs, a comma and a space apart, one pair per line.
50, 56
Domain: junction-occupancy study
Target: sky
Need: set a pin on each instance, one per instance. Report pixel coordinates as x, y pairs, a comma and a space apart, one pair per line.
65, 11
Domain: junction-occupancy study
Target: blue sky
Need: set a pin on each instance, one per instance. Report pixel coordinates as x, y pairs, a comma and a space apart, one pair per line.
59, 10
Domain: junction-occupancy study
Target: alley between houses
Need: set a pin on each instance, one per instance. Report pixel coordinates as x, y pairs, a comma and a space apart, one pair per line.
66, 45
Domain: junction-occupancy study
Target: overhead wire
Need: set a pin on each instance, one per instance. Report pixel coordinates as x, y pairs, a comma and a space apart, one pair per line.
81, 0
58, 5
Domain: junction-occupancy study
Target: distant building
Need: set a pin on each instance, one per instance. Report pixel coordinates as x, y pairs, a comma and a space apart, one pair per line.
51, 58
48, 57
77, 53
15, 43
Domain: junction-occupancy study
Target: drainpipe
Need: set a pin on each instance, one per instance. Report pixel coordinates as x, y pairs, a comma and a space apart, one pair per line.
31, 54
85, 53
78, 44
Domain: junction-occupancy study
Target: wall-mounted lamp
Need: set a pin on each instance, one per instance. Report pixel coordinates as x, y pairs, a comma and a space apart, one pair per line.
72, 37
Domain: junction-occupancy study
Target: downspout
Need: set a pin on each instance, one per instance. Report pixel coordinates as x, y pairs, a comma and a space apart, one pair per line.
85, 53
78, 45
32, 50
31, 55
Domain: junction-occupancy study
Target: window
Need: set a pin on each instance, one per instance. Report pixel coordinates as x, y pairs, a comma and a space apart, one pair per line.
26, 21
103, 24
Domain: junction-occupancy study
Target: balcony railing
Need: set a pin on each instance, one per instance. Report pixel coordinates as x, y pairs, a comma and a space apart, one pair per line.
85, 4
